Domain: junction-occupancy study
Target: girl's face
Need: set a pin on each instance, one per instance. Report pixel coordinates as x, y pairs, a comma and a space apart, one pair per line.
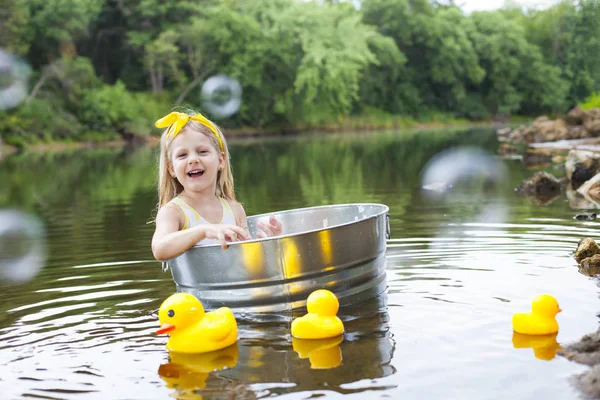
195, 162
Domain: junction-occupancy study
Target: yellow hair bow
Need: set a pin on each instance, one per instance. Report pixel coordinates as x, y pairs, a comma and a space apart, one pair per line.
176, 121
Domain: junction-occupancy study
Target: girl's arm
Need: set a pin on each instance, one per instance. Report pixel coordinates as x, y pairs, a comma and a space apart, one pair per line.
168, 241
240, 215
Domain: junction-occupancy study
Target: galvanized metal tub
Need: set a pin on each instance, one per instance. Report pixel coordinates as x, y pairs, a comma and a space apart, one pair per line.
337, 247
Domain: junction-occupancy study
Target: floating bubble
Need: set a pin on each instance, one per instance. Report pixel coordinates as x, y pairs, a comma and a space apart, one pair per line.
469, 178
221, 95
465, 167
14, 80
22, 246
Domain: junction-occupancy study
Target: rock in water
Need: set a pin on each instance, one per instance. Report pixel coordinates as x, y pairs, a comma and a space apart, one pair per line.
581, 165
587, 247
590, 266
585, 351
591, 189
540, 183
589, 382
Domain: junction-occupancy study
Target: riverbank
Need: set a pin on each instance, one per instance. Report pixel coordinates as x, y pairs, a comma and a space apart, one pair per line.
350, 125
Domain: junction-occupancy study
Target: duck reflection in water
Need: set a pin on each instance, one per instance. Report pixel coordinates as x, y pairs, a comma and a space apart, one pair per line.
322, 353
190, 371
544, 346
269, 355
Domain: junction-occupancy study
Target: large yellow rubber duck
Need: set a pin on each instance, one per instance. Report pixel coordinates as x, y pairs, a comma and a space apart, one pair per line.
321, 322
190, 371
192, 330
544, 346
542, 318
322, 353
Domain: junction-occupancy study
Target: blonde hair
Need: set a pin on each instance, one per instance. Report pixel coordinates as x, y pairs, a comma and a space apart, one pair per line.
169, 187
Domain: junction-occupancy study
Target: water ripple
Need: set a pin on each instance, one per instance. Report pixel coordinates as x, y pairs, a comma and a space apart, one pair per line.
85, 327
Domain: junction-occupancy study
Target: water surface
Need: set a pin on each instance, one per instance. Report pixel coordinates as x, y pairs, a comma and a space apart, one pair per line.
459, 266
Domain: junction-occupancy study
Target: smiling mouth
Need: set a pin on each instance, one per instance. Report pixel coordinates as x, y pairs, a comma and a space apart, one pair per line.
195, 173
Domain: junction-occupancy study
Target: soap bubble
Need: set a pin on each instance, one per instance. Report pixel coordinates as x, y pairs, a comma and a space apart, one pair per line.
14, 80
469, 168
469, 178
22, 246
221, 95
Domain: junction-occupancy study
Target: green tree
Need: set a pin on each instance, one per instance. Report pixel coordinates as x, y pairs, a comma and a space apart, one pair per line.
453, 62
583, 56
15, 31
550, 30
198, 60
224, 40
386, 85
295, 60
162, 54
69, 77
336, 52
442, 61
568, 34
57, 24
516, 73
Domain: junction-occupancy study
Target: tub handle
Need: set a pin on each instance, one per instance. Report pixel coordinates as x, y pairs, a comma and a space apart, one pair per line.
388, 231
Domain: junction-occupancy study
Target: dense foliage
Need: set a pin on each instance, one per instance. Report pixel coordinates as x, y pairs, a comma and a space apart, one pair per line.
108, 68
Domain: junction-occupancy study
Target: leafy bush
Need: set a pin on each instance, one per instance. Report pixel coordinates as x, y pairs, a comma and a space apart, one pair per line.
105, 113
114, 109
40, 120
591, 102
473, 107
148, 108
106, 107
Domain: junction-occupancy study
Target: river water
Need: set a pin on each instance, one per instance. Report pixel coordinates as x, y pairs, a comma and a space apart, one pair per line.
459, 264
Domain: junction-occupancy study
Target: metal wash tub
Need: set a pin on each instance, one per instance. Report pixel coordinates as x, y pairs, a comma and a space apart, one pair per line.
338, 247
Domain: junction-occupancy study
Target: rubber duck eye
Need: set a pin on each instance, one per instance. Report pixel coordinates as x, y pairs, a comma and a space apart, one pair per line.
171, 313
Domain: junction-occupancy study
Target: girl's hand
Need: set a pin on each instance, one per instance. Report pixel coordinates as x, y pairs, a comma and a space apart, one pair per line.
273, 228
225, 233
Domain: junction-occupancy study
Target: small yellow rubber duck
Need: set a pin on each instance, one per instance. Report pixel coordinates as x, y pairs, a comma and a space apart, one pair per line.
321, 321
190, 371
192, 330
542, 318
322, 353
544, 346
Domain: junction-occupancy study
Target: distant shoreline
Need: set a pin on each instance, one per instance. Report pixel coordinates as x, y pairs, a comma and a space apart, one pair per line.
237, 134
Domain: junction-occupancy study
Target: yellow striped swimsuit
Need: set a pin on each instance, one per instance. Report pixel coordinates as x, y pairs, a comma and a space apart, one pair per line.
192, 218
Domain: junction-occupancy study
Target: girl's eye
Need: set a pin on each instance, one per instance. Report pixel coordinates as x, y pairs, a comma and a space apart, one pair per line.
181, 155
202, 152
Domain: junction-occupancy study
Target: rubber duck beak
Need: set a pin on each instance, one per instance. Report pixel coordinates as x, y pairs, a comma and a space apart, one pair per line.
559, 309
164, 328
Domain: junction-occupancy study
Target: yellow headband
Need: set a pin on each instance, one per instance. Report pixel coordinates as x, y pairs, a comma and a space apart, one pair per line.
176, 120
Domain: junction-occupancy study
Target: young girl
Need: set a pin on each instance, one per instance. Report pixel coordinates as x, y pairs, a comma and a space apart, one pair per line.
196, 201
